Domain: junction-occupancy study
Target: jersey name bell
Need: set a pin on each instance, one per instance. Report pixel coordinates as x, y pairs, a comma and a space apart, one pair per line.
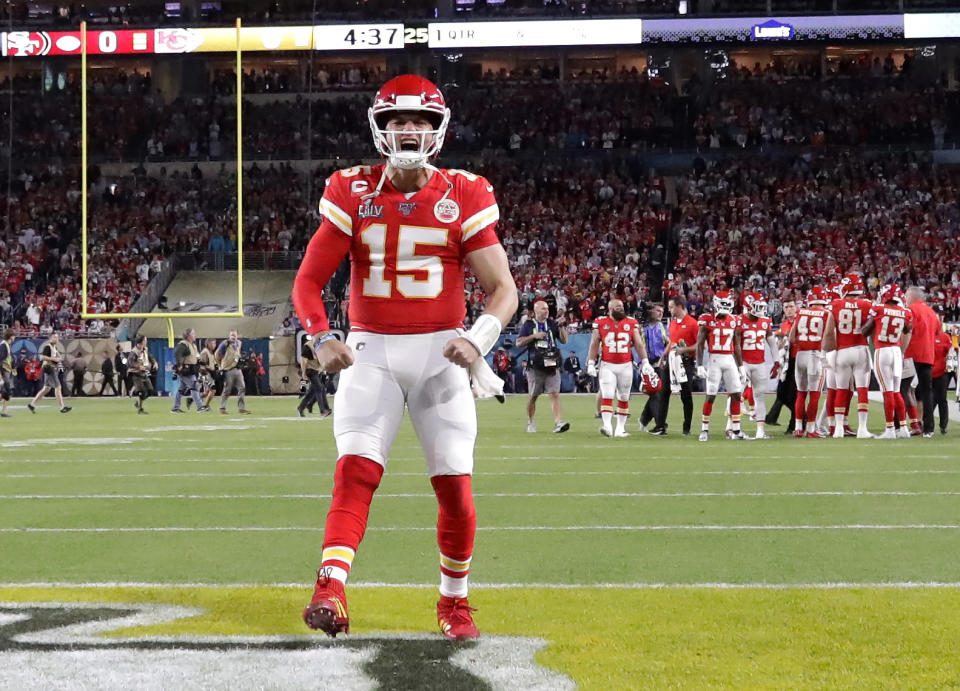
407, 250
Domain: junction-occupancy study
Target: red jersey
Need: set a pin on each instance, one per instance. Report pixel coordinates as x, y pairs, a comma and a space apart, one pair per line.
850, 315
926, 324
810, 322
941, 347
406, 250
616, 338
684, 330
753, 338
889, 323
720, 332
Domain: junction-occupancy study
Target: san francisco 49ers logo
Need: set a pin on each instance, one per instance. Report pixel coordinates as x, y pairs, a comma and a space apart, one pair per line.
446, 211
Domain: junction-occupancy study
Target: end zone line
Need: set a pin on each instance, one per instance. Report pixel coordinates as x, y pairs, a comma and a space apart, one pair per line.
827, 585
527, 528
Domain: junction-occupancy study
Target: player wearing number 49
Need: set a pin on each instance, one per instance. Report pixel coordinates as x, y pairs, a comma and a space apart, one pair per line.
409, 228
613, 339
720, 337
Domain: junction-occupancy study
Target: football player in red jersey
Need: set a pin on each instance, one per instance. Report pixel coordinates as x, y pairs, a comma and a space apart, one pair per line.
826, 418
614, 339
756, 334
720, 337
843, 334
409, 228
807, 335
889, 322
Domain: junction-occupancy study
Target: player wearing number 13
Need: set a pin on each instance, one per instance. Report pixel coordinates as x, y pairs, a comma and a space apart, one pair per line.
890, 322
843, 334
409, 228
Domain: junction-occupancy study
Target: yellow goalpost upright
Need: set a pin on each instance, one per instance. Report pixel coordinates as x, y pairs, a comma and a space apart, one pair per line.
169, 316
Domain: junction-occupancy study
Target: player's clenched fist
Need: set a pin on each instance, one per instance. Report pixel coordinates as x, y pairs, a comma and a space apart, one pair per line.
334, 356
461, 352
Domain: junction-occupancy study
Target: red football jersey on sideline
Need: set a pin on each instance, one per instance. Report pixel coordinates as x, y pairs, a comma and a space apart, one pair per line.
889, 325
616, 338
811, 323
753, 338
720, 333
850, 315
407, 251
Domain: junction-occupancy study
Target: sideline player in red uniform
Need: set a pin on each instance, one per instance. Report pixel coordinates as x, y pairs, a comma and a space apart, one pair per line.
756, 334
409, 229
614, 338
806, 335
889, 322
720, 337
843, 334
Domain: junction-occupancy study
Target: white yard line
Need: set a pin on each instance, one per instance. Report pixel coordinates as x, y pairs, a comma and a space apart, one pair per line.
524, 528
494, 495
829, 585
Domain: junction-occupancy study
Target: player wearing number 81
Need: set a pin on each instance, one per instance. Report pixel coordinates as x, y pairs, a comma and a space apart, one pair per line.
843, 334
410, 229
614, 338
720, 337
889, 322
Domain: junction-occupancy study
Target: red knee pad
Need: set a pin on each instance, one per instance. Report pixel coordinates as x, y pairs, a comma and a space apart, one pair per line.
456, 517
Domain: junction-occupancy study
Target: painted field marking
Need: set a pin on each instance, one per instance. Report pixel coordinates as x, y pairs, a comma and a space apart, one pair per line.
514, 528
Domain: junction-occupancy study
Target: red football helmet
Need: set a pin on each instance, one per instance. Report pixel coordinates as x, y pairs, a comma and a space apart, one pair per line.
851, 284
756, 304
408, 93
723, 302
889, 293
818, 296
650, 383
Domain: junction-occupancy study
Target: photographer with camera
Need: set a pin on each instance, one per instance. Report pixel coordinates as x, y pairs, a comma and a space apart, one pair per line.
540, 336
229, 354
207, 381
140, 371
8, 371
52, 366
317, 393
187, 368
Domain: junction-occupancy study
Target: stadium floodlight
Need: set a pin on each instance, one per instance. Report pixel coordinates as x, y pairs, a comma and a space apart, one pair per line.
169, 316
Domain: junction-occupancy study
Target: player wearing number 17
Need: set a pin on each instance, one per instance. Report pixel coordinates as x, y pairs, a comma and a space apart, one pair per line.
843, 334
721, 338
410, 229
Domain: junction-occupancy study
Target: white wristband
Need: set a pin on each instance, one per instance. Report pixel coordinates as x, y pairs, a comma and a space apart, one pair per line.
484, 333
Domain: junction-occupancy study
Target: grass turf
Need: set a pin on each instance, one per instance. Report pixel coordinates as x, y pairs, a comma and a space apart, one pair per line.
783, 511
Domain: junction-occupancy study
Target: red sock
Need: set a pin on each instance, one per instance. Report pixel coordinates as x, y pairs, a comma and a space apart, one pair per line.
707, 408
799, 406
813, 405
456, 527
623, 408
606, 405
748, 395
889, 407
831, 408
863, 401
354, 482
901, 408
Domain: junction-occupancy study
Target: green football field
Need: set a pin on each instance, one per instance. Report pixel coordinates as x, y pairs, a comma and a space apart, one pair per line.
646, 562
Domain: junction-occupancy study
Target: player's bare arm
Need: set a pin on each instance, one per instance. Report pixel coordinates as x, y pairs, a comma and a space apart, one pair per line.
701, 342
869, 327
737, 350
792, 336
493, 271
906, 337
638, 344
830, 335
594, 351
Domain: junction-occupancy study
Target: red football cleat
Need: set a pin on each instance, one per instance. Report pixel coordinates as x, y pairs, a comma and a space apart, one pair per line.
455, 618
813, 435
798, 433
327, 610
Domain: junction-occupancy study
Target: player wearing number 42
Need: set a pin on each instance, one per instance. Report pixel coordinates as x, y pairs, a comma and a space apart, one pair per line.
409, 228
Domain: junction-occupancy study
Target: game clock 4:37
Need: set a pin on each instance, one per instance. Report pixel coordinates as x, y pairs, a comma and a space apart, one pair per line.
368, 36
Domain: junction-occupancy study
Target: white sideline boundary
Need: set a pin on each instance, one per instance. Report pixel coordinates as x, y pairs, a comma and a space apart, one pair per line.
827, 585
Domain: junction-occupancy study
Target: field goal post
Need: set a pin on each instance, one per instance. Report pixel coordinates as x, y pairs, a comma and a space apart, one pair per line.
169, 316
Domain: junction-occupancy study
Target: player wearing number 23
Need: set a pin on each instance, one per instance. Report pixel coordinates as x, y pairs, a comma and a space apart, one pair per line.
410, 229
